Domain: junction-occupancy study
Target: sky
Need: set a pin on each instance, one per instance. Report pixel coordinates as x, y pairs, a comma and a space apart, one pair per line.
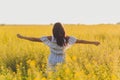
64, 11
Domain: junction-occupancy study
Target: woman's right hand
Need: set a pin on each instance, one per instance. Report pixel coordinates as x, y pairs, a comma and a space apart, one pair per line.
19, 36
96, 43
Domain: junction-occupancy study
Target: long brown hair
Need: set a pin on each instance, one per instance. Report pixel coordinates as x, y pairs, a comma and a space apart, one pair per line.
59, 34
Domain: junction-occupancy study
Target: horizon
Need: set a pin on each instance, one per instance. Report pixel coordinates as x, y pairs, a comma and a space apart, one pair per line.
53, 24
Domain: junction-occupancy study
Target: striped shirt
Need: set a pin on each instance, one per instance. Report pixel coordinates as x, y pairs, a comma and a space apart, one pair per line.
57, 53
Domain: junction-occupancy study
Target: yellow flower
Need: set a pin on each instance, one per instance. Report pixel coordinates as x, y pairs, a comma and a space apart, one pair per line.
50, 73
2, 77
74, 58
79, 74
114, 77
37, 78
58, 78
43, 78
67, 71
68, 59
28, 61
32, 63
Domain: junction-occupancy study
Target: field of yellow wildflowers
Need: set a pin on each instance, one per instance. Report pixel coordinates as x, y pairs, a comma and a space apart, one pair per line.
25, 60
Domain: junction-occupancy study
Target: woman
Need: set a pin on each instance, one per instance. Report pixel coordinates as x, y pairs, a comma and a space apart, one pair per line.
57, 43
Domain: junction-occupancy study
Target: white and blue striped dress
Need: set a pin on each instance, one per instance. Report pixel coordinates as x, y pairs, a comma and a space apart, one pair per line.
57, 53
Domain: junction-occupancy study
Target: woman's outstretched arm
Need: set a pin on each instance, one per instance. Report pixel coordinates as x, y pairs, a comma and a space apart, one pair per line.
88, 42
29, 38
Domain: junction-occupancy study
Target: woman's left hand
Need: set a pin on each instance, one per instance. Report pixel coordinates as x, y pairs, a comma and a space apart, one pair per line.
19, 36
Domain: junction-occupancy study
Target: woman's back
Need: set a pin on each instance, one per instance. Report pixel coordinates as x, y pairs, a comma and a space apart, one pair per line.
57, 53
54, 47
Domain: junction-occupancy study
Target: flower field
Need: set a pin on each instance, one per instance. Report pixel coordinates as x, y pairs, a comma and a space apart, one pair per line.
26, 60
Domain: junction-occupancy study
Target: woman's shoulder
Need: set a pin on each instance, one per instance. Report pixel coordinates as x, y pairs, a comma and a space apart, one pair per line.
46, 38
69, 37
49, 38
